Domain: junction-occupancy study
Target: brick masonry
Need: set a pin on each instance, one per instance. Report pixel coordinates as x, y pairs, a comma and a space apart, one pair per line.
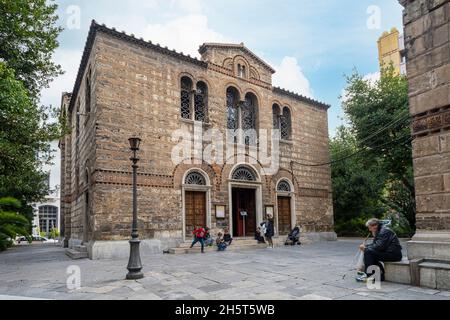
135, 90
427, 40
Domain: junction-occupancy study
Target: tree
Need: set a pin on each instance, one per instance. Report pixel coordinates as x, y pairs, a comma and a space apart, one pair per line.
28, 37
378, 116
24, 146
356, 188
12, 223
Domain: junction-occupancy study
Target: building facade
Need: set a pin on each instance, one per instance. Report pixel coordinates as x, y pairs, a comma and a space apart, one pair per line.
391, 49
274, 161
427, 42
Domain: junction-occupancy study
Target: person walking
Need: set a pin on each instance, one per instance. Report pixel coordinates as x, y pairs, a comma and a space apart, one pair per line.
270, 230
199, 236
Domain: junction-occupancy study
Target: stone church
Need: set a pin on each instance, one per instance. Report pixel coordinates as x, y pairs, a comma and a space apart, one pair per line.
129, 87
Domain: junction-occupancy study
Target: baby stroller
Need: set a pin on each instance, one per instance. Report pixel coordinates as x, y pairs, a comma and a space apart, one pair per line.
293, 238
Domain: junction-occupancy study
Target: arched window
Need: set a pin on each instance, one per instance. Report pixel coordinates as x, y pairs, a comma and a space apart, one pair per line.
284, 186
201, 102
286, 127
244, 174
77, 121
48, 217
249, 116
232, 108
87, 92
195, 178
186, 90
276, 116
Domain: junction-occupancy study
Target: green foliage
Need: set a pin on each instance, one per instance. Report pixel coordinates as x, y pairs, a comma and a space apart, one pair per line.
400, 225
24, 146
12, 224
53, 234
377, 176
354, 227
28, 38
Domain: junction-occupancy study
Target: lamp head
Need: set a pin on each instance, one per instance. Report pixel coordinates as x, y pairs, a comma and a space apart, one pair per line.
134, 143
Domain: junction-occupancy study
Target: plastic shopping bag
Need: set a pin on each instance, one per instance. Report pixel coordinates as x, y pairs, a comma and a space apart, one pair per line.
360, 261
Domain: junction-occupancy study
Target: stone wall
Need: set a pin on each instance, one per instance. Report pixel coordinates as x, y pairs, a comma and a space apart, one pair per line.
427, 39
136, 91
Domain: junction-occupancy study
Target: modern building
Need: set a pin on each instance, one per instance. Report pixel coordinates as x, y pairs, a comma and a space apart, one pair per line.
47, 213
391, 49
221, 147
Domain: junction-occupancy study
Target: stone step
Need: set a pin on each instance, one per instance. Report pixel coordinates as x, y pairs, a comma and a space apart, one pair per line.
76, 255
187, 244
433, 274
233, 247
81, 248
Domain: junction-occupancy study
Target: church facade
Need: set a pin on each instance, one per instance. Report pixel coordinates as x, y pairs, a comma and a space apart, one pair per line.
221, 147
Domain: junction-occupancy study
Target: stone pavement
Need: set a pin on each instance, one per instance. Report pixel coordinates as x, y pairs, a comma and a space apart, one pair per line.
316, 271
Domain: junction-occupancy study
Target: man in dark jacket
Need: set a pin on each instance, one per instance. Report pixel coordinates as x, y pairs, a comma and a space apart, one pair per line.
384, 248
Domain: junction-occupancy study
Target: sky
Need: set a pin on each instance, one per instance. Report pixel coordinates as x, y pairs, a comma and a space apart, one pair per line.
311, 44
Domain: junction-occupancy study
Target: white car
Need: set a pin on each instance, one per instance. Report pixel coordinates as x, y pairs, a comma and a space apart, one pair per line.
45, 240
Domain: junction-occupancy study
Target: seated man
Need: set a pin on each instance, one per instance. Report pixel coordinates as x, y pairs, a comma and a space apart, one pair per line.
384, 248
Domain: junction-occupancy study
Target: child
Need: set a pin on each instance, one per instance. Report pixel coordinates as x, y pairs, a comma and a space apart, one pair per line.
259, 236
199, 234
227, 237
221, 245
208, 239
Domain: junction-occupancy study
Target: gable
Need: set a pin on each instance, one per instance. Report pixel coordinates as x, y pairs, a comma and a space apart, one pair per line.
238, 59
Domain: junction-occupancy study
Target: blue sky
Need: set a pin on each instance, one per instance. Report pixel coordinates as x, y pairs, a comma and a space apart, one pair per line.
312, 44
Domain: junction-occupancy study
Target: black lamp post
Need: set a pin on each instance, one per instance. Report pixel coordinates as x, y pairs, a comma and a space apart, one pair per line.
134, 263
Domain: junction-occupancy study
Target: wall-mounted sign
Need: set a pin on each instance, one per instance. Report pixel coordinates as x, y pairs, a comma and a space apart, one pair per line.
220, 212
269, 211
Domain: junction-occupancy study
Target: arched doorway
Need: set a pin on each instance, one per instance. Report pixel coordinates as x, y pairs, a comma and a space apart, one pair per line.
245, 201
196, 201
285, 207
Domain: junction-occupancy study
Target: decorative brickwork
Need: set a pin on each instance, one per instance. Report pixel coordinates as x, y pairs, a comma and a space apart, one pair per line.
136, 89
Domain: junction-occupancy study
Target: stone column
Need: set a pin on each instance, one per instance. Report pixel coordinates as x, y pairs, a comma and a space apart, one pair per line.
427, 35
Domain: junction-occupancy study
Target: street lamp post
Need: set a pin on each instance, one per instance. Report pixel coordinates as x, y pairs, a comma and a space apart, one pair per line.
134, 263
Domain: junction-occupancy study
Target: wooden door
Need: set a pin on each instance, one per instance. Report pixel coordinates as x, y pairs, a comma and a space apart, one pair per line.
284, 215
195, 211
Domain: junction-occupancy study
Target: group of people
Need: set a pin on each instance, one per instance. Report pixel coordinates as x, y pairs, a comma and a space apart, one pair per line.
264, 232
203, 236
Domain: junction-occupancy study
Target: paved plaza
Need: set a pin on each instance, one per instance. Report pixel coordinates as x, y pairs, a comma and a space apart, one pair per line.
314, 271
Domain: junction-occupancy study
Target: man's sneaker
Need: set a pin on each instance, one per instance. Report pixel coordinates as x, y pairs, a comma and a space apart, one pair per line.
364, 278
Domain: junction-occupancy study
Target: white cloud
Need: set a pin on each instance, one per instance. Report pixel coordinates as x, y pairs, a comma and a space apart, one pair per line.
289, 75
69, 61
193, 6
184, 34
371, 77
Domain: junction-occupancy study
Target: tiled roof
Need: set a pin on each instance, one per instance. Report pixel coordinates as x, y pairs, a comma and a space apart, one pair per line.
95, 27
301, 98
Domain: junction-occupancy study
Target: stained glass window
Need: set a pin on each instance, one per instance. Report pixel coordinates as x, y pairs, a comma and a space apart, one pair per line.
244, 174
249, 120
276, 116
286, 128
200, 102
284, 186
195, 178
186, 89
232, 109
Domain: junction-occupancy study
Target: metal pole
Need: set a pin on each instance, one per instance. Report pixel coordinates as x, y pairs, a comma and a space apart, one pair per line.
134, 263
